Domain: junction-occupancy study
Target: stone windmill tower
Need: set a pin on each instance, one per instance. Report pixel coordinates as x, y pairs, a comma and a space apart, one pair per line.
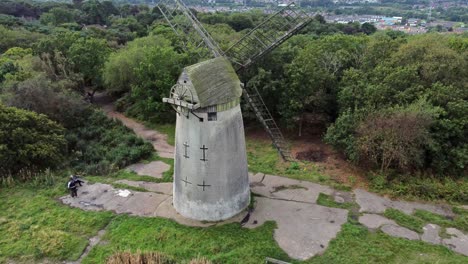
210, 168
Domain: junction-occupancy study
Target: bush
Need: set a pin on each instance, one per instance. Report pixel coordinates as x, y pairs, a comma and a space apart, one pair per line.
29, 141
145, 70
423, 187
38, 94
394, 140
102, 145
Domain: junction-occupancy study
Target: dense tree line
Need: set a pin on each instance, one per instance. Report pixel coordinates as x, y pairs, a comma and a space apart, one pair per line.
392, 103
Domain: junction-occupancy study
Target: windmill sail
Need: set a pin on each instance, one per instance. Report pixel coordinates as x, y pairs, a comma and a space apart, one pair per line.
267, 35
188, 28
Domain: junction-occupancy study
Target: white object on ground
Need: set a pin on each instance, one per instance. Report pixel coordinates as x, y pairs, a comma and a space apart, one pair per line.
123, 193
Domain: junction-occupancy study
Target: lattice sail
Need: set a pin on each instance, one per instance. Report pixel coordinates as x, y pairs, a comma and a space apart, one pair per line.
267, 35
187, 27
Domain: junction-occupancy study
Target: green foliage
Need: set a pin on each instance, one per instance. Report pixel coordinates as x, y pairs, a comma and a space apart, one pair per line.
7, 66
327, 200
316, 72
88, 56
459, 221
396, 138
395, 75
29, 141
120, 70
102, 145
97, 12
43, 96
17, 53
240, 21
152, 67
57, 16
423, 187
17, 38
67, 54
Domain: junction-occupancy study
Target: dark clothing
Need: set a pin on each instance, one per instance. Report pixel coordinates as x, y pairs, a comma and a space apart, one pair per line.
77, 180
73, 188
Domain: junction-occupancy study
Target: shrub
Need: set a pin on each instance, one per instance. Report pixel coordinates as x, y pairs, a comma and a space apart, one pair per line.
102, 145
38, 94
394, 140
29, 141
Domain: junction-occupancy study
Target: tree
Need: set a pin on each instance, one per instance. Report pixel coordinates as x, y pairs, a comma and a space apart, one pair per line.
240, 21
88, 56
17, 38
96, 12
399, 72
396, 139
53, 99
148, 67
29, 141
368, 28
57, 16
316, 72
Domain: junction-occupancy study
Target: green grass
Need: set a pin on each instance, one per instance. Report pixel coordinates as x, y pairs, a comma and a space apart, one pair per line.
168, 129
263, 157
128, 187
222, 244
232, 244
327, 200
409, 221
355, 244
35, 226
459, 221
38, 227
125, 174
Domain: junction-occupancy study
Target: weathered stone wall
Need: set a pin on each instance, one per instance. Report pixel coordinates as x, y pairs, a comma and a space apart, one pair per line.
223, 169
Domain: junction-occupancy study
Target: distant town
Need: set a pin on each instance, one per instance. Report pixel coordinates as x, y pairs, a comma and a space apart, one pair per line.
342, 12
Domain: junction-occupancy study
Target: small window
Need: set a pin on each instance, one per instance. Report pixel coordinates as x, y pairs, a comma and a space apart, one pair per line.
212, 116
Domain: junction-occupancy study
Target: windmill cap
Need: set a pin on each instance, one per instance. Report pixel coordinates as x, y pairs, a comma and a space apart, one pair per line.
214, 82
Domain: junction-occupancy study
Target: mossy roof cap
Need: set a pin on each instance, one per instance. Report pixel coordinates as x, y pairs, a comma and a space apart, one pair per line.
214, 81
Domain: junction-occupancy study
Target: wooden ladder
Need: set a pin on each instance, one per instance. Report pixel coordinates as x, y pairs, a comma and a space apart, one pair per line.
261, 111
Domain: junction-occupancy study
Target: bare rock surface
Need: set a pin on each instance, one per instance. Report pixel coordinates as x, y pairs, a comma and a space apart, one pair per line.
431, 234
342, 197
374, 221
100, 196
154, 169
256, 179
398, 231
288, 189
458, 241
163, 187
373, 203
304, 230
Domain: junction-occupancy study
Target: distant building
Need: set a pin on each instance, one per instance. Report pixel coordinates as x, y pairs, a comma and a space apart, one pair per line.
413, 22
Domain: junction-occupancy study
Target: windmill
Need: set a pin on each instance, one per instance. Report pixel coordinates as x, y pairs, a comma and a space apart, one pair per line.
210, 167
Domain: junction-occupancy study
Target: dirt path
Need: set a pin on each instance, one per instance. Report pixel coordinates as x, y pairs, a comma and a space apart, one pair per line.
158, 140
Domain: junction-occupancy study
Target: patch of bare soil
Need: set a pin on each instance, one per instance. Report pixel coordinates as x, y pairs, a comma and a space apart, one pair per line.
310, 147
